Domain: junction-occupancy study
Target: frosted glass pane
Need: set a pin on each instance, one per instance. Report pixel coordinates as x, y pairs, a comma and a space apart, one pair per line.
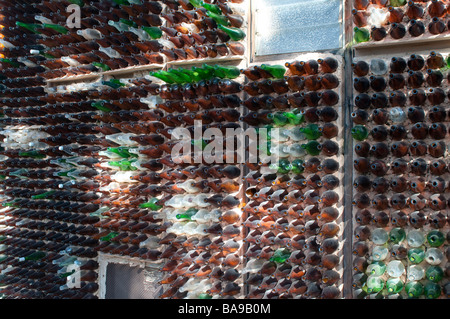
287, 26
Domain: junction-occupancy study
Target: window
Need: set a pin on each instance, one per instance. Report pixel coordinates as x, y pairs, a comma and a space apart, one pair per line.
289, 26
132, 282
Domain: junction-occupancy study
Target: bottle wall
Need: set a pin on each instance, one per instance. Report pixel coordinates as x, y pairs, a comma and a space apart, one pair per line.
294, 208
89, 174
399, 114
400, 187
398, 21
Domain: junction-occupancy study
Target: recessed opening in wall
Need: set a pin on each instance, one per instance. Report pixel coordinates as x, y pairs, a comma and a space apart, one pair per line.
132, 282
288, 26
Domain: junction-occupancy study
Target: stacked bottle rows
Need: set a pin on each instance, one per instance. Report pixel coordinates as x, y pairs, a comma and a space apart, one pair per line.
45, 229
379, 20
292, 211
401, 191
202, 245
85, 166
117, 34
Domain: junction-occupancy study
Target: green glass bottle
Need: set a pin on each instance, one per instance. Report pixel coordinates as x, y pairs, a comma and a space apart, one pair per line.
414, 289
187, 214
205, 72
11, 204
374, 284
12, 63
394, 285
34, 256
182, 76
294, 118
397, 3
100, 106
277, 71
283, 166
278, 118
361, 35
164, 76
58, 28
219, 18
171, 77
434, 273
226, 72
29, 26
191, 74
376, 268
235, 34
312, 147
123, 165
43, 195
416, 255
121, 151
281, 255
211, 7
204, 296
297, 166
397, 235
196, 3
153, 32
435, 238
102, 66
432, 290
114, 83
110, 236
32, 154
151, 204
359, 132
312, 131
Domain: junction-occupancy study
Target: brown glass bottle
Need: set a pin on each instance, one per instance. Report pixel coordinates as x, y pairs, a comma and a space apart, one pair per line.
437, 26
395, 14
397, 30
378, 33
414, 10
361, 4
437, 9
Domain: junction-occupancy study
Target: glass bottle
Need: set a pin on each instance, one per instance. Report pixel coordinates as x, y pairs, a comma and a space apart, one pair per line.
395, 268
359, 132
435, 238
394, 285
374, 284
414, 289
416, 255
361, 35
434, 256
